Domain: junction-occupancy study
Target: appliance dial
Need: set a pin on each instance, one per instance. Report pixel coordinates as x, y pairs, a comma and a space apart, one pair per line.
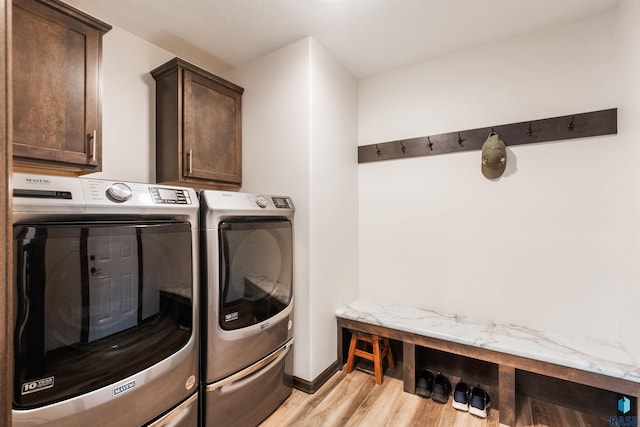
261, 201
119, 192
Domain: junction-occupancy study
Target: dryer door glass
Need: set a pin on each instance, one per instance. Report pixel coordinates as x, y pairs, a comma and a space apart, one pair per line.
97, 302
256, 270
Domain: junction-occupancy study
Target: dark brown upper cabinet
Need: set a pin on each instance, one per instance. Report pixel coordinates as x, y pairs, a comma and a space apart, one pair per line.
198, 127
57, 88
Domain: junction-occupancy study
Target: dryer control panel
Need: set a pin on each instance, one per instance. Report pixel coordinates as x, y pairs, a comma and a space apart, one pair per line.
278, 202
281, 202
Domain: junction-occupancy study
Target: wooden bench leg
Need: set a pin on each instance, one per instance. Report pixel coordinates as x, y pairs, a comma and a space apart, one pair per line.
389, 355
507, 395
409, 367
340, 352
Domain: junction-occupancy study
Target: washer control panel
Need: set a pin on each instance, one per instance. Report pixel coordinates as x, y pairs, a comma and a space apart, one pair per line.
169, 196
32, 192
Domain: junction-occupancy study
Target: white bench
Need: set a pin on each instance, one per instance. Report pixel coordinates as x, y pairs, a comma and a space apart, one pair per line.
591, 362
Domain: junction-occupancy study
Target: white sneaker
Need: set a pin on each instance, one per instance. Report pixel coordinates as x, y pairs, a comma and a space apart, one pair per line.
461, 395
479, 403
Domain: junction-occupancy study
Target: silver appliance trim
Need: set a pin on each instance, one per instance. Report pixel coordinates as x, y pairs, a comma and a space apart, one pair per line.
269, 360
35, 196
167, 419
221, 205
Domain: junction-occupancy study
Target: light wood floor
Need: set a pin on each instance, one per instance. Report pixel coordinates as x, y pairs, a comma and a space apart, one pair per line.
355, 400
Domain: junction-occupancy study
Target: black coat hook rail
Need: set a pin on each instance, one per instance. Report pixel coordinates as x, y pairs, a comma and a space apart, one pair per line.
595, 123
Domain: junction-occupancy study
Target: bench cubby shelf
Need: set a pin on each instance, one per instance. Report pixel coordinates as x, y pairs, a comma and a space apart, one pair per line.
509, 347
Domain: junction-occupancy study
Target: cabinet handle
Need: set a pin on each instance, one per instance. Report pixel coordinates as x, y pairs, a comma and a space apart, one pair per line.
190, 161
93, 146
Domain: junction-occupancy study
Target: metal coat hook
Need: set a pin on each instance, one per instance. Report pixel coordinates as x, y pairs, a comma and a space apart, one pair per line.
492, 132
430, 144
460, 140
530, 131
402, 147
572, 125
378, 150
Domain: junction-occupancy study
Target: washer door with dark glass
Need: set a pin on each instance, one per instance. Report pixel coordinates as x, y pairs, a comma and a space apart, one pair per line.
97, 302
256, 270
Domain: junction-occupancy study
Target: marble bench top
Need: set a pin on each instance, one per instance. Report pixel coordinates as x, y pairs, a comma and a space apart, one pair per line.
588, 354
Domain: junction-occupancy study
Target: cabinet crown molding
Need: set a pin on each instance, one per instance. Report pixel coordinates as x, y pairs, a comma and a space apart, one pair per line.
63, 7
172, 65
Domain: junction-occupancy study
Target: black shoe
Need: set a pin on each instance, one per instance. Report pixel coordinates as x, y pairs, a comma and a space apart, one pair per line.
479, 403
424, 384
441, 389
461, 395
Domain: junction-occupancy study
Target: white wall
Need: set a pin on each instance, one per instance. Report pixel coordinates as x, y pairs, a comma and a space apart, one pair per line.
299, 137
128, 107
334, 201
275, 156
627, 68
553, 244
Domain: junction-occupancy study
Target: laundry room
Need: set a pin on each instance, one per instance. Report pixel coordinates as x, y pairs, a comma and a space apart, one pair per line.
550, 246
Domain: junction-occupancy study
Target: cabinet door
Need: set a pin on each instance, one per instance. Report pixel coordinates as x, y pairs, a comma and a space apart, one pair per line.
55, 87
211, 133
